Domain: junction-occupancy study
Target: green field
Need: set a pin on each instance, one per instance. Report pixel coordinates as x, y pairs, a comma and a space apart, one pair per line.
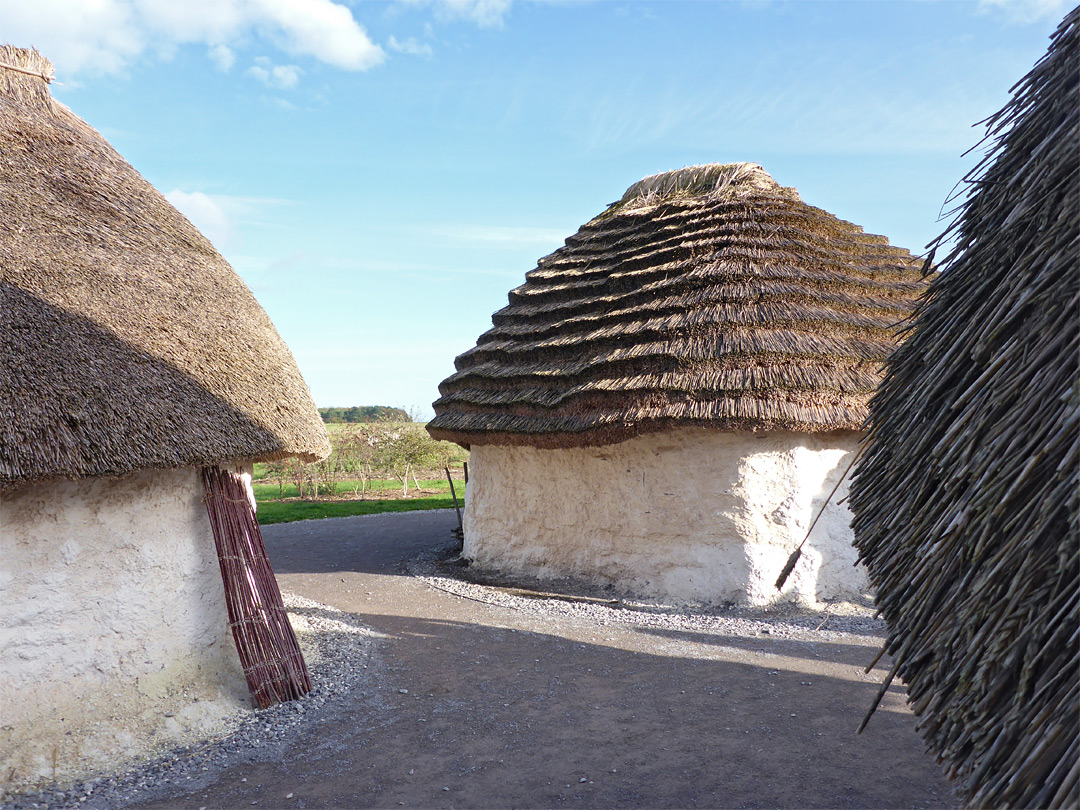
287, 511
265, 490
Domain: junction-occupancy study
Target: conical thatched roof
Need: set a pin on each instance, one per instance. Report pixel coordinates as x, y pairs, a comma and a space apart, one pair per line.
967, 502
127, 342
706, 296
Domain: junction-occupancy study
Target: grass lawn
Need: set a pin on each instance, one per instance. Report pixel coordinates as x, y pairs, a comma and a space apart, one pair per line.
287, 511
266, 490
274, 510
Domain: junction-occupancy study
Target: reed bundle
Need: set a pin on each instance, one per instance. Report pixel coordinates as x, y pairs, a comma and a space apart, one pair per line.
966, 504
707, 296
269, 652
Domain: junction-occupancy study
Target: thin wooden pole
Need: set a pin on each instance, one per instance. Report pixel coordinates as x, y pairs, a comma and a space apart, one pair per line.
453, 494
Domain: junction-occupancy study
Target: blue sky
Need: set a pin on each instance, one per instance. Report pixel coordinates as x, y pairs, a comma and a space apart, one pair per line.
381, 174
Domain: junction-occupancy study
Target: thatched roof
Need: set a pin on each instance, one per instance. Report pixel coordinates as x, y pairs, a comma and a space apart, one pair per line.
706, 296
967, 502
127, 341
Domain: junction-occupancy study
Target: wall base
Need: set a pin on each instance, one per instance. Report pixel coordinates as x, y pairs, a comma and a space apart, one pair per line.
692, 515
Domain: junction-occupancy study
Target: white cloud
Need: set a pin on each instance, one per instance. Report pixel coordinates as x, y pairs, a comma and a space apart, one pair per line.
410, 46
485, 13
286, 76
282, 77
259, 72
98, 37
323, 29
222, 56
211, 21
1027, 11
107, 36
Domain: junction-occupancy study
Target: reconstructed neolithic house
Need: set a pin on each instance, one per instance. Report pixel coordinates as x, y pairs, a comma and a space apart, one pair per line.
967, 506
131, 356
670, 397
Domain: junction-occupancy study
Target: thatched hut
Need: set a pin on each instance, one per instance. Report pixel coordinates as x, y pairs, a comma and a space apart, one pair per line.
670, 396
131, 356
966, 505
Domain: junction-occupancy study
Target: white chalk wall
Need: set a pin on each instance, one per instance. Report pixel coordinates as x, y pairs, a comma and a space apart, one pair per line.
691, 515
113, 634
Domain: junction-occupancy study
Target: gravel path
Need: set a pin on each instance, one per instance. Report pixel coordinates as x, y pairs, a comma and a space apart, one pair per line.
432, 691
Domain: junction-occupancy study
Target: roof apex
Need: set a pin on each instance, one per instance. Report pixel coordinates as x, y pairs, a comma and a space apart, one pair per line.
710, 181
25, 75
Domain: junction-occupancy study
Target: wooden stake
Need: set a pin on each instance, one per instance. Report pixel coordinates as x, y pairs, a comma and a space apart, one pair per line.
453, 494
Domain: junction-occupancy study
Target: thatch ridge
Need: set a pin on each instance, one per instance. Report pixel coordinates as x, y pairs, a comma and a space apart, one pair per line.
710, 181
967, 503
95, 265
708, 296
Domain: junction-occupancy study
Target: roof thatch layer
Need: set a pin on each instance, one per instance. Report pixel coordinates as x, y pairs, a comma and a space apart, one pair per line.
706, 296
127, 341
966, 503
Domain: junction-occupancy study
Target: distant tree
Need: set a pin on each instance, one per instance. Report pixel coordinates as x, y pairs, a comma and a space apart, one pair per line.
301, 475
360, 414
358, 449
382, 412
326, 473
405, 447
278, 471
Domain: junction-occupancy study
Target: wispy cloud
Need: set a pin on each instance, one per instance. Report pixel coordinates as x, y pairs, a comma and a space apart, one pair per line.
1027, 11
501, 235
107, 36
219, 215
485, 13
822, 104
206, 213
281, 77
222, 56
280, 103
409, 46
428, 271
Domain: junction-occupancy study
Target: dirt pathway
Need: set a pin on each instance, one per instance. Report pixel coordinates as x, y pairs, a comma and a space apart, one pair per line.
472, 705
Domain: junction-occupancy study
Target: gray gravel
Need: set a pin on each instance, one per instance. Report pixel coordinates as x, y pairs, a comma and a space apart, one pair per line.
584, 601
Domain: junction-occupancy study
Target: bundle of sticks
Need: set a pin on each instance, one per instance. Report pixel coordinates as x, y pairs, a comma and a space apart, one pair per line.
269, 652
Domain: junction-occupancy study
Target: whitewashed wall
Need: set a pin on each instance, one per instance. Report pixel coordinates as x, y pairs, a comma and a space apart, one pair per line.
113, 633
689, 515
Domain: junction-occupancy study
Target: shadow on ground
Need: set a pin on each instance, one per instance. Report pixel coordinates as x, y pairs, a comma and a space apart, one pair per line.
467, 713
